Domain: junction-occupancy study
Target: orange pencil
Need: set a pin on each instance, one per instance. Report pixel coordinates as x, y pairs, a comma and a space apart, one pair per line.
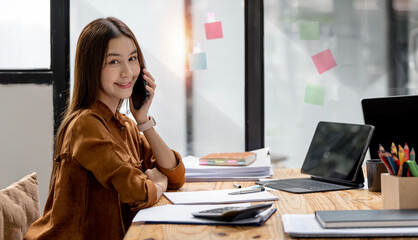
401, 156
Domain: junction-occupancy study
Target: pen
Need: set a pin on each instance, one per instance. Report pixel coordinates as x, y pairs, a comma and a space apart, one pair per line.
254, 190
236, 185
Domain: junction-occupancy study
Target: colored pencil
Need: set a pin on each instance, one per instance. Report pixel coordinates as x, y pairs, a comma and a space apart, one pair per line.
401, 156
393, 150
396, 160
414, 168
412, 155
406, 152
385, 161
391, 162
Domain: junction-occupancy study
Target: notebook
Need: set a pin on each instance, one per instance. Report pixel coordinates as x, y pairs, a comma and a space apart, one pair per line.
368, 218
333, 160
394, 120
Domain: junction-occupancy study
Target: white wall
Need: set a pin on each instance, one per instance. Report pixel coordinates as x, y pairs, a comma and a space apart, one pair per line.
27, 132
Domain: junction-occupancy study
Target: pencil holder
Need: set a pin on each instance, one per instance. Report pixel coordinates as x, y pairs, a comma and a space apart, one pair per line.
399, 192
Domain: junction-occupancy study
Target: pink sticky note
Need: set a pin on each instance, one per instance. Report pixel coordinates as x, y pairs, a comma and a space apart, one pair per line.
213, 30
324, 61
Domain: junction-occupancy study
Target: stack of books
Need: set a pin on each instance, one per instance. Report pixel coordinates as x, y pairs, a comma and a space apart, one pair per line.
203, 169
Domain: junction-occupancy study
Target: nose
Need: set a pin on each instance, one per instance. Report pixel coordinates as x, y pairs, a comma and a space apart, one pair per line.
126, 71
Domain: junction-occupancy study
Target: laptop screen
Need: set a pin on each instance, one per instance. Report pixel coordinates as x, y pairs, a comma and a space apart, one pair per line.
394, 119
337, 151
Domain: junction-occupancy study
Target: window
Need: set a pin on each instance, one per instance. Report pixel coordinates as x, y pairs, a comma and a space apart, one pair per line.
322, 57
25, 31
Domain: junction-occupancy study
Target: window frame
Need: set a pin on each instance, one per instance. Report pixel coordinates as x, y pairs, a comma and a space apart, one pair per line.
254, 74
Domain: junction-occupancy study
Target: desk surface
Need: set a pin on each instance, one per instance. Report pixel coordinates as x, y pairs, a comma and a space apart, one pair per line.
272, 229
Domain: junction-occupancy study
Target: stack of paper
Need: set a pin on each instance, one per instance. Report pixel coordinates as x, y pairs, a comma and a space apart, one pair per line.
260, 168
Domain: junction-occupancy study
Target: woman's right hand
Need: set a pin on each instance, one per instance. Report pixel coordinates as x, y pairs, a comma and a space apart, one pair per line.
157, 177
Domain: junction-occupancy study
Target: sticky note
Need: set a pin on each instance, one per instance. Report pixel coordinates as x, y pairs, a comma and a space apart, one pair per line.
197, 61
315, 94
324, 61
213, 30
309, 30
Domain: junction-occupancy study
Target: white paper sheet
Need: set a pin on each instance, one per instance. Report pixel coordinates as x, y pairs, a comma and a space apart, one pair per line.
218, 196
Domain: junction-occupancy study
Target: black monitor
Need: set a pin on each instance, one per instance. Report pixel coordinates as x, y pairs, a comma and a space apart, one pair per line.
395, 119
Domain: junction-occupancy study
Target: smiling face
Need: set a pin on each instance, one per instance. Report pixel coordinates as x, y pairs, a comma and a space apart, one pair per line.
120, 71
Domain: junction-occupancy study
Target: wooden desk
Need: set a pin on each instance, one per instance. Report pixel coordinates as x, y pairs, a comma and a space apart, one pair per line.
272, 229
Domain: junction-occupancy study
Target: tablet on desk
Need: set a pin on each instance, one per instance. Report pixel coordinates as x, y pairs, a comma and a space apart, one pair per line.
333, 160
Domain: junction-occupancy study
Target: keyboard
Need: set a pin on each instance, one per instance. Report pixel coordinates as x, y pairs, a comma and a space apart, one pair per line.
309, 184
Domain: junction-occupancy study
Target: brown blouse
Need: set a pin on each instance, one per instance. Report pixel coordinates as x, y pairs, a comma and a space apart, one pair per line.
100, 182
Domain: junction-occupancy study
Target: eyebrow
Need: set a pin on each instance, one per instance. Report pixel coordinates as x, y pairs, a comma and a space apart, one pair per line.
117, 54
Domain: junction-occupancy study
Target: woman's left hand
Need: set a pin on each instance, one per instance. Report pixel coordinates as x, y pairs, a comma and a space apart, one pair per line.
141, 115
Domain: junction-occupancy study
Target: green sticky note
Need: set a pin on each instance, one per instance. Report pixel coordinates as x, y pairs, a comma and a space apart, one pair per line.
309, 30
197, 61
315, 94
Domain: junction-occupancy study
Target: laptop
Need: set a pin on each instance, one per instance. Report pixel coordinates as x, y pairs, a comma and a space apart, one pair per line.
333, 160
394, 119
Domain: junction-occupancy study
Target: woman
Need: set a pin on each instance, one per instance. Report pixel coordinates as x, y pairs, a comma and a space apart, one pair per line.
104, 169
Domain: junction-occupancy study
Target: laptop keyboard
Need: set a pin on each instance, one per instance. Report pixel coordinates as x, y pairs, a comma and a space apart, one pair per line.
306, 183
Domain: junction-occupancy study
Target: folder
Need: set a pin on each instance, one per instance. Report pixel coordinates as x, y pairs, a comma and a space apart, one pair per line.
182, 214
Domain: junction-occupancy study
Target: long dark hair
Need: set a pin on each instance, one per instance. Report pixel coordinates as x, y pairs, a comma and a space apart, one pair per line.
89, 59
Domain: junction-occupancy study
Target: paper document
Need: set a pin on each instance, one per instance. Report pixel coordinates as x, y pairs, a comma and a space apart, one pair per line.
218, 196
305, 225
182, 214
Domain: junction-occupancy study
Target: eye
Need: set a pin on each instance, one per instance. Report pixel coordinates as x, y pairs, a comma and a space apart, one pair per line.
113, 62
132, 58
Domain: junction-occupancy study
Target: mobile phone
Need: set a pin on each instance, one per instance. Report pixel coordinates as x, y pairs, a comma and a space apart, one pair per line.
233, 213
139, 94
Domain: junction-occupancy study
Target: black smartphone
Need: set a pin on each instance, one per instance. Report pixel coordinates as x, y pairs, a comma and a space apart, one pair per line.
139, 94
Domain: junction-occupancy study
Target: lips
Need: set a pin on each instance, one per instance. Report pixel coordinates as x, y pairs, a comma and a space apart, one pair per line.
124, 85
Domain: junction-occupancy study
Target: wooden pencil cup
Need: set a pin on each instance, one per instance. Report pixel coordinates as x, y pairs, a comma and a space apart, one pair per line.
399, 192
